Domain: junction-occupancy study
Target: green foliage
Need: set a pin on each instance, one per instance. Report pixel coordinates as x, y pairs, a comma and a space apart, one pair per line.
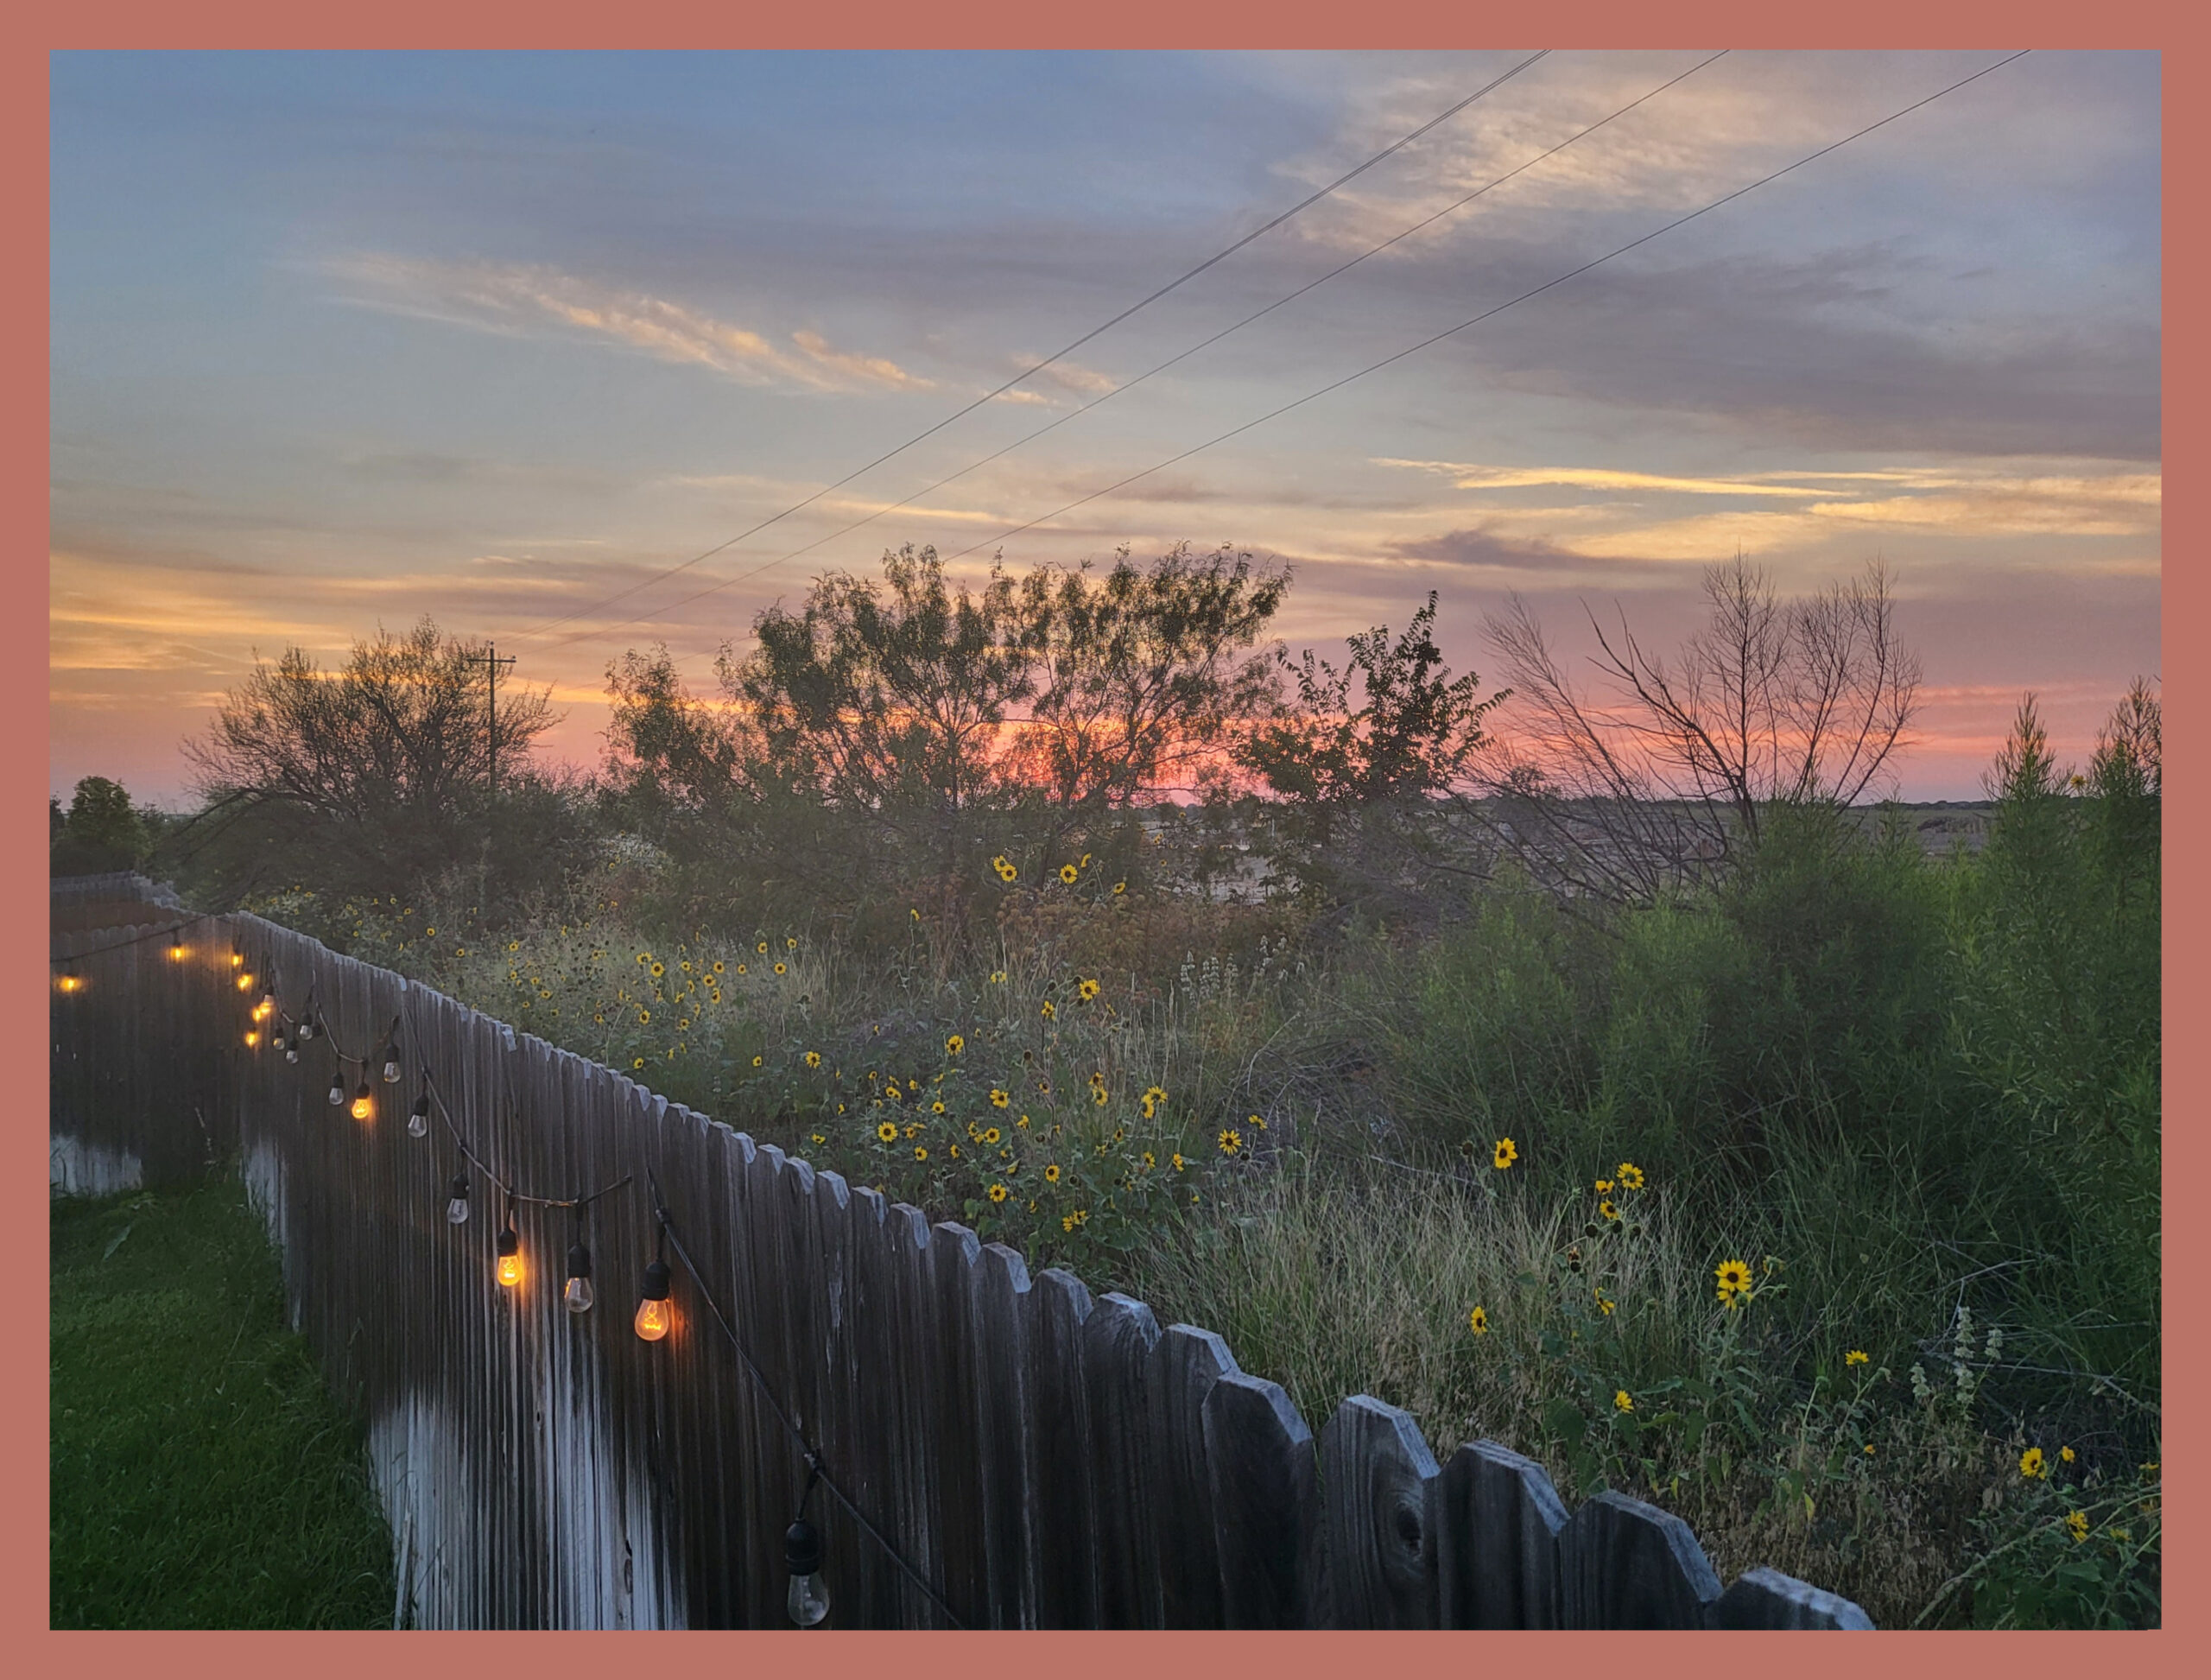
200, 1475
100, 834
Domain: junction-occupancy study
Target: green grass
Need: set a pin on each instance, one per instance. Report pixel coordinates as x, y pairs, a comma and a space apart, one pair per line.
201, 1475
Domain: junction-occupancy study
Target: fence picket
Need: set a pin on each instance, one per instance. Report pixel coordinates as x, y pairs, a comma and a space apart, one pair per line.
1260, 1464
1629, 1564
1497, 1540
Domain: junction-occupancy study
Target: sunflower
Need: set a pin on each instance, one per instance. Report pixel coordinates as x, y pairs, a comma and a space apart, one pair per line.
1630, 1176
1048, 1012
1100, 1095
1150, 1161
1603, 1187
1000, 1099
1606, 1304
740, 968
2076, 1524
755, 1061
998, 977
1052, 1173
937, 1108
813, 1058
1087, 990
1505, 1153
718, 968
2031, 1464
1622, 1400
2066, 1454
1151, 1108
1478, 1321
657, 970
1068, 872
1855, 1356
1608, 1210
782, 969
920, 1153
1007, 871
1256, 1123
1176, 1160
954, 1044
1120, 886
1231, 1140
789, 944
1022, 1122
1734, 1278
1155, 1094
762, 948
992, 1134
887, 1133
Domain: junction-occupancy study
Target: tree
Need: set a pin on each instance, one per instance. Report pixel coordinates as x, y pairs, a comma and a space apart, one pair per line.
1142, 672
1798, 705
370, 778
100, 834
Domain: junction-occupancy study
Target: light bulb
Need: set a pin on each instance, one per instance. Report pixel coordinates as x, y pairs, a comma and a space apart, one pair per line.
278, 1042
238, 957
269, 1002
337, 1091
176, 954
576, 1295
306, 1031
510, 1271
808, 1599
291, 1052
69, 982
456, 1209
245, 982
251, 1038
391, 1070
418, 1119
654, 1319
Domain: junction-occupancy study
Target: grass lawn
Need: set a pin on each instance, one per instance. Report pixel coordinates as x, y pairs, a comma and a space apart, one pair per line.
201, 1475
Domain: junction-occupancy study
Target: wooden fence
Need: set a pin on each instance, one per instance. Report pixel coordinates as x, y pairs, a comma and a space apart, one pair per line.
1043, 1457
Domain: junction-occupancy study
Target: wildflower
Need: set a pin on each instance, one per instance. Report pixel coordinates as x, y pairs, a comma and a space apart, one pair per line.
916, 915
718, 968
2151, 1468
789, 944
2121, 1535
762, 948
1734, 1278
1120, 886
781, 969
1478, 1321
2031, 1464
1630, 1176
955, 1044
1855, 1356
1606, 1304
1067, 873
813, 1058
1869, 1449
1621, 1401
1231, 1141
1022, 1122
998, 977
1505, 1153
1150, 1162
914, 1129
1151, 1108
892, 1092
644, 957
1048, 1012
1066, 1223
1608, 1210
1081, 1216
1100, 1095
819, 1138
1052, 1173
639, 1063
2066, 1454
1176, 1158
657, 970
1255, 1122
1086, 860
992, 1134
1007, 871
1087, 990
1603, 1187
740, 968
920, 1153
2076, 1524
887, 1133
685, 965
755, 1061
1095, 1077
937, 1108
997, 1192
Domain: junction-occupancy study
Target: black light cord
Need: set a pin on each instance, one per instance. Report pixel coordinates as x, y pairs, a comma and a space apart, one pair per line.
169, 932
445, 1113
816, 1470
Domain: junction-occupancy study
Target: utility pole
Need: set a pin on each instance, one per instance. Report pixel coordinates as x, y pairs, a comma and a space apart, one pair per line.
492, 663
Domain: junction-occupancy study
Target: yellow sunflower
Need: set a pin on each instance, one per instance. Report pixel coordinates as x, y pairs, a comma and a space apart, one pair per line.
1504, 1154
1068, 872
1478, 1321
887, 1133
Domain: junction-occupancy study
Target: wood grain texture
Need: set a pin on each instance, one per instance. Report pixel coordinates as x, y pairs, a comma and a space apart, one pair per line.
1260, 1466
1628, 1564
1375, 1473
1186, 1363
1497, 1525
1116, 1343
1768, 1599
1063, 1507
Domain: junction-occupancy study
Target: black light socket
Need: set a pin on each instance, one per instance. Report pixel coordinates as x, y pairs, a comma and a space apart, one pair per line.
657, 1281
802, 1548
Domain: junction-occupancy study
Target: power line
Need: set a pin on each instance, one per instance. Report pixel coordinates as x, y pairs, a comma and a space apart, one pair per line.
1066, 349
1161, 367
1535, 291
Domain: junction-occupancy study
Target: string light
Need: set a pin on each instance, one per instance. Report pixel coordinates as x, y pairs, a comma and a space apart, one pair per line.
418, 1117
246, 981
238, 957
457, 1209
365, 1106
268, 1003
68, 982
306, 1021
577, 1296
391, 1068
278, 1042
655, 1317
509, 1267
338, 1090
808, 1600
292, 1050
252, 1037
176, 952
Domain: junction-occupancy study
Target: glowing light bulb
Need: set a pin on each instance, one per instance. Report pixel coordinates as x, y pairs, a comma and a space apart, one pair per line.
418, 1117
238, 957
269, 1002
278, 1042
808, 1599
577, 1296
69, 982
391, 1070
510, 1272
245, 982
252, 1038
655, 1318
176, 954
456, 1209
337, 1091
365, 1105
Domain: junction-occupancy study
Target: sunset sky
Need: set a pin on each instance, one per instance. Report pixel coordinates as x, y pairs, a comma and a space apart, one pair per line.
343, 340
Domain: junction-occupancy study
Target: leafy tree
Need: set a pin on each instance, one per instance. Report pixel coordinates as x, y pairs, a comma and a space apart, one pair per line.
373, 778
101, 833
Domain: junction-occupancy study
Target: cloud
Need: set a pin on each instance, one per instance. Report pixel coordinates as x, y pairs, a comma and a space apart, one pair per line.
516, 299
1466, 477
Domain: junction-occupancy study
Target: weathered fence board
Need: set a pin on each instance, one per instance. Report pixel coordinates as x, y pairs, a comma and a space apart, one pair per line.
1039, 1457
